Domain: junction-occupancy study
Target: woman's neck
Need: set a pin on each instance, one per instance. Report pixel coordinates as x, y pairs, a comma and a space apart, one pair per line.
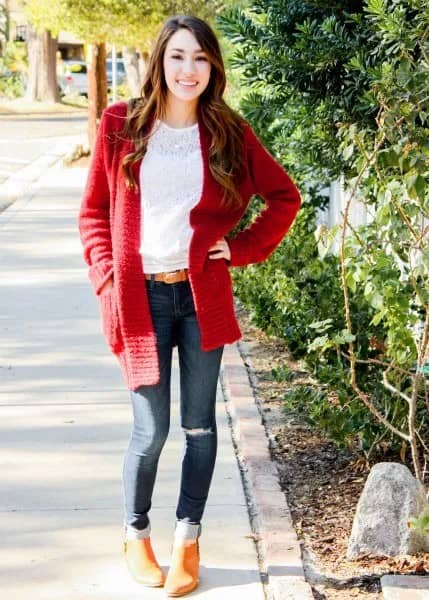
180, 114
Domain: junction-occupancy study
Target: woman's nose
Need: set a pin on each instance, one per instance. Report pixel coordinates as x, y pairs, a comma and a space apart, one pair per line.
189, 66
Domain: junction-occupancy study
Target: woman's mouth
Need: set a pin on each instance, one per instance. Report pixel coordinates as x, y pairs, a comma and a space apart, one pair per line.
187, 83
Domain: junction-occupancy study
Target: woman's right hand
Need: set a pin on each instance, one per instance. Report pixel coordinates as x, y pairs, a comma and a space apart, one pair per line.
107, 286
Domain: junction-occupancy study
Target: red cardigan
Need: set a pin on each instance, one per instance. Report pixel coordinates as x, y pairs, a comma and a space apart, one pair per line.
110, 225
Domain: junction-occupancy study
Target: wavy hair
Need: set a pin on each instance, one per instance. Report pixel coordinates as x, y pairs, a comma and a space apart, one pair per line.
226, 160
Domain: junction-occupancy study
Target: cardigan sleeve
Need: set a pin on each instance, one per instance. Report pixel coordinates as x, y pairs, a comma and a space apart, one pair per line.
270, 180
94, 215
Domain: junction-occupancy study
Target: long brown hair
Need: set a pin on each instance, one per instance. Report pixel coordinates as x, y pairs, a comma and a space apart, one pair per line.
225, 126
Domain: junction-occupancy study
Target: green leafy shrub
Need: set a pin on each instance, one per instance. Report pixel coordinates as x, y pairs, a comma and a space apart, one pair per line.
11, 86
336, 92
13, 69
281, 373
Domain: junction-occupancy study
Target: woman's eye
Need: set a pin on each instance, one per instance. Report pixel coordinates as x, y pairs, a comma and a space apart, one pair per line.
179, 57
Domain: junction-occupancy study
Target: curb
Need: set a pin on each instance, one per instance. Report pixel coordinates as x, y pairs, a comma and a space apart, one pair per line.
405, 587
279, 551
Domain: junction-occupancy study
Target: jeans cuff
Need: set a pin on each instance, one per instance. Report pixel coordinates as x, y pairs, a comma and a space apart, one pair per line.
187, 531
131, 533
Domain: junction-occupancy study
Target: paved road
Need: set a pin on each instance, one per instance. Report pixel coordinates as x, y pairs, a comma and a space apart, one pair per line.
24, 138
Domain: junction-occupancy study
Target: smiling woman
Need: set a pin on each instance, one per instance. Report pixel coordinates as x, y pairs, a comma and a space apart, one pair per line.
172, 174
187, 74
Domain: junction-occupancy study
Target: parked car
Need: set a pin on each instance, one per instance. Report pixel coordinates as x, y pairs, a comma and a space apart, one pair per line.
74, 80
120, 71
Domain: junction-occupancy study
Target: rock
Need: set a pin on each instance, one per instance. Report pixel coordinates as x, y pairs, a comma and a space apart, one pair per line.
390, 496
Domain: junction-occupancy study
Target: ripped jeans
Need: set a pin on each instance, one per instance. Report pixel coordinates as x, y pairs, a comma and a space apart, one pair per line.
173, 314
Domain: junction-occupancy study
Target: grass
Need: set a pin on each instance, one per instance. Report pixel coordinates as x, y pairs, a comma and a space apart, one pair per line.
24, 106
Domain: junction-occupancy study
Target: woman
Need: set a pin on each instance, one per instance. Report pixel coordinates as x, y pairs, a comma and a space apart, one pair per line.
171, 175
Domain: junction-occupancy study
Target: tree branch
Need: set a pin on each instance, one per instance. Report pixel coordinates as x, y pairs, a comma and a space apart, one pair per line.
395, 390
382, 363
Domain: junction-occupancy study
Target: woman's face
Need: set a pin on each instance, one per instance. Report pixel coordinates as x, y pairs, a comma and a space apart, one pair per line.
186, 67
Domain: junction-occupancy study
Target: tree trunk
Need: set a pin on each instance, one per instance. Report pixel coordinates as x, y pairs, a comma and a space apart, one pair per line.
135, 66
97, 88
143, 62
131, 63
42, 83
33, 52
4, 26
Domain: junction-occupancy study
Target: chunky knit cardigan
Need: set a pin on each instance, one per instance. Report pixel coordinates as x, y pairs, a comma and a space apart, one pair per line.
110, 226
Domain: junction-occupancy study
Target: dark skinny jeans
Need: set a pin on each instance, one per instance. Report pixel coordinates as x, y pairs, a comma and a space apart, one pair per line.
174, 320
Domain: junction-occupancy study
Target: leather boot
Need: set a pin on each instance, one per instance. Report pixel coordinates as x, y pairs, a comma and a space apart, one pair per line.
182, 577
142, 563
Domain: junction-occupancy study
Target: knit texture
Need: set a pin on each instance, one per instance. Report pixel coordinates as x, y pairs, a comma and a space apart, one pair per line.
110, 224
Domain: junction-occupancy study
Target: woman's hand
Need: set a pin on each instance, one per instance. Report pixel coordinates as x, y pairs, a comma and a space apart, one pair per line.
106, 287
220, 250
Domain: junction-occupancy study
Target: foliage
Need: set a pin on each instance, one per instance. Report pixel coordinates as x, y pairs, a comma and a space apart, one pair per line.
344, 93
297, 295
282, 373
13, 67
15, 58
11, 86
4, 22
123, 91
420, 523
319, 408
122, 22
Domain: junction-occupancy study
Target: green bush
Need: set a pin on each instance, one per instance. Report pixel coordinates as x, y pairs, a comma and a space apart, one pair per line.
344, 92
11, 86
297, 295
13, 69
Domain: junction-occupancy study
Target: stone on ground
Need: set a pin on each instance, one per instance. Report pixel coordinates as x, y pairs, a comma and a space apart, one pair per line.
390, 497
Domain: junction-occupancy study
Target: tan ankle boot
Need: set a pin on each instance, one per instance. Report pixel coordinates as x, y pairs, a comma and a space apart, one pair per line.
182, 577
142, 563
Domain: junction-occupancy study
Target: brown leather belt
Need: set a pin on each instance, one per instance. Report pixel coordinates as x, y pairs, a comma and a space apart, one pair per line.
169, 277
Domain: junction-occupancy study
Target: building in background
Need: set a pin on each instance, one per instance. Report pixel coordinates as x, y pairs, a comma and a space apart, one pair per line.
70, 47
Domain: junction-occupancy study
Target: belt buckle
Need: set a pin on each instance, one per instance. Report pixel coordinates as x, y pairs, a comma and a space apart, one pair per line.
170, 277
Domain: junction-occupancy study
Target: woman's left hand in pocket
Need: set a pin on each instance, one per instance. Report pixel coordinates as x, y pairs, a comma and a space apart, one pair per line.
220, 250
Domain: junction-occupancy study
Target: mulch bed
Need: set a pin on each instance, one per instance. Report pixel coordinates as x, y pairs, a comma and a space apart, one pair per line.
322, 482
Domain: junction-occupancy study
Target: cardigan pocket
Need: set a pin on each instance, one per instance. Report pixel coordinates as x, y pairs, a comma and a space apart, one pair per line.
110, 320
218, 272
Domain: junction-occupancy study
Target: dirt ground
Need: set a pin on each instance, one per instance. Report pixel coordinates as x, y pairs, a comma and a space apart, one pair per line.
322, 482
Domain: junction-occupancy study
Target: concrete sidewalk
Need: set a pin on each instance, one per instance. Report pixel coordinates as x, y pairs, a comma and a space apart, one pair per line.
21, 180
65, 424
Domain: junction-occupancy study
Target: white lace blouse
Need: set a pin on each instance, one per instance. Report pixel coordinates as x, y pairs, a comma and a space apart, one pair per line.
171, 178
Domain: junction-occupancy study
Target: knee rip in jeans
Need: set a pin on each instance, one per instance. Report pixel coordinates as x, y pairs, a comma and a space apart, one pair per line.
200, 431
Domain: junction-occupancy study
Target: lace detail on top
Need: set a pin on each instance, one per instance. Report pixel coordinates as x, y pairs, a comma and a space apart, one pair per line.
168, 140
171, 177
